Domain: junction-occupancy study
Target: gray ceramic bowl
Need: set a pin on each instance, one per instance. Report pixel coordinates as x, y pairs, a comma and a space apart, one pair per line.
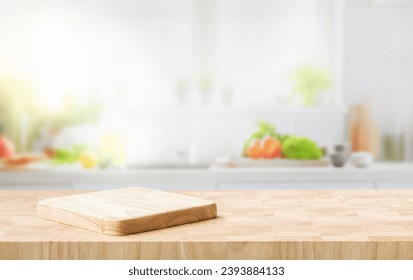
338, 159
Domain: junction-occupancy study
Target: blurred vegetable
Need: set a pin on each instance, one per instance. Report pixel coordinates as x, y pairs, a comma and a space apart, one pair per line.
64, 156
301, 148
88, 159
68, 155
49, 152
271, 147
264, 129
77, 153
254, 150
21, 160
6, 148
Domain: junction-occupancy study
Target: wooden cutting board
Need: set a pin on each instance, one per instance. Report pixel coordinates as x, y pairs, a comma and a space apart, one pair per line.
267, 163
126, 211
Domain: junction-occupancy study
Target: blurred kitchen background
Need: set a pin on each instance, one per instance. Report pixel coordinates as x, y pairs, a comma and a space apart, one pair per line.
183, 83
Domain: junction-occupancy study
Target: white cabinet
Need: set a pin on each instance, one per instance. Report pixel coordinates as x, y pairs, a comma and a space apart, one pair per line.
379, 176
394, 185
274, 185
41, 186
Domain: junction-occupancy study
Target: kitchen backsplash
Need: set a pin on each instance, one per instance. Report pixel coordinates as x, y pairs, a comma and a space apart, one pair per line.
205, 135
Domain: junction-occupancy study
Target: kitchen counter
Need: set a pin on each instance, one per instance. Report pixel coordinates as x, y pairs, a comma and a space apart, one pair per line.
378, 176
282, 224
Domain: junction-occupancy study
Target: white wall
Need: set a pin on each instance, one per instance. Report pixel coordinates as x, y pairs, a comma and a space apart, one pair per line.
259, 44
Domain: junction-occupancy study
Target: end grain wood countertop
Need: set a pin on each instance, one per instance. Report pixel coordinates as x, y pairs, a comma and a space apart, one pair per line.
290, 224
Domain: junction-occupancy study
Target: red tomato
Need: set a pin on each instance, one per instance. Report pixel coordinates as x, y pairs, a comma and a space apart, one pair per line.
6, 148
271, 148
254, 150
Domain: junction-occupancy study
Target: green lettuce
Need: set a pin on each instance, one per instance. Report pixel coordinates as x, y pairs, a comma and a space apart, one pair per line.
301, 148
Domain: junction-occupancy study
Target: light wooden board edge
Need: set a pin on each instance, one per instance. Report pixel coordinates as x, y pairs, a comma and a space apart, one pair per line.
130, 226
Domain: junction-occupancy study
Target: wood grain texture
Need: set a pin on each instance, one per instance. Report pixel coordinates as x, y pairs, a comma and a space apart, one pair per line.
325, 224
126, 210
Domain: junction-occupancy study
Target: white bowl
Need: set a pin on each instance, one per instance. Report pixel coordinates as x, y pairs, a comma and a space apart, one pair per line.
361, 159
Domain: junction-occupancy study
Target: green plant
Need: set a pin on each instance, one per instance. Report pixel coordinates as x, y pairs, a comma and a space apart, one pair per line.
72, 113
23, 112
19, 106
309, 81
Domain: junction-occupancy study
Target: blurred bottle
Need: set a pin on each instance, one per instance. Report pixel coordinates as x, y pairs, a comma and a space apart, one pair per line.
393, 140
364, 130
113, 146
